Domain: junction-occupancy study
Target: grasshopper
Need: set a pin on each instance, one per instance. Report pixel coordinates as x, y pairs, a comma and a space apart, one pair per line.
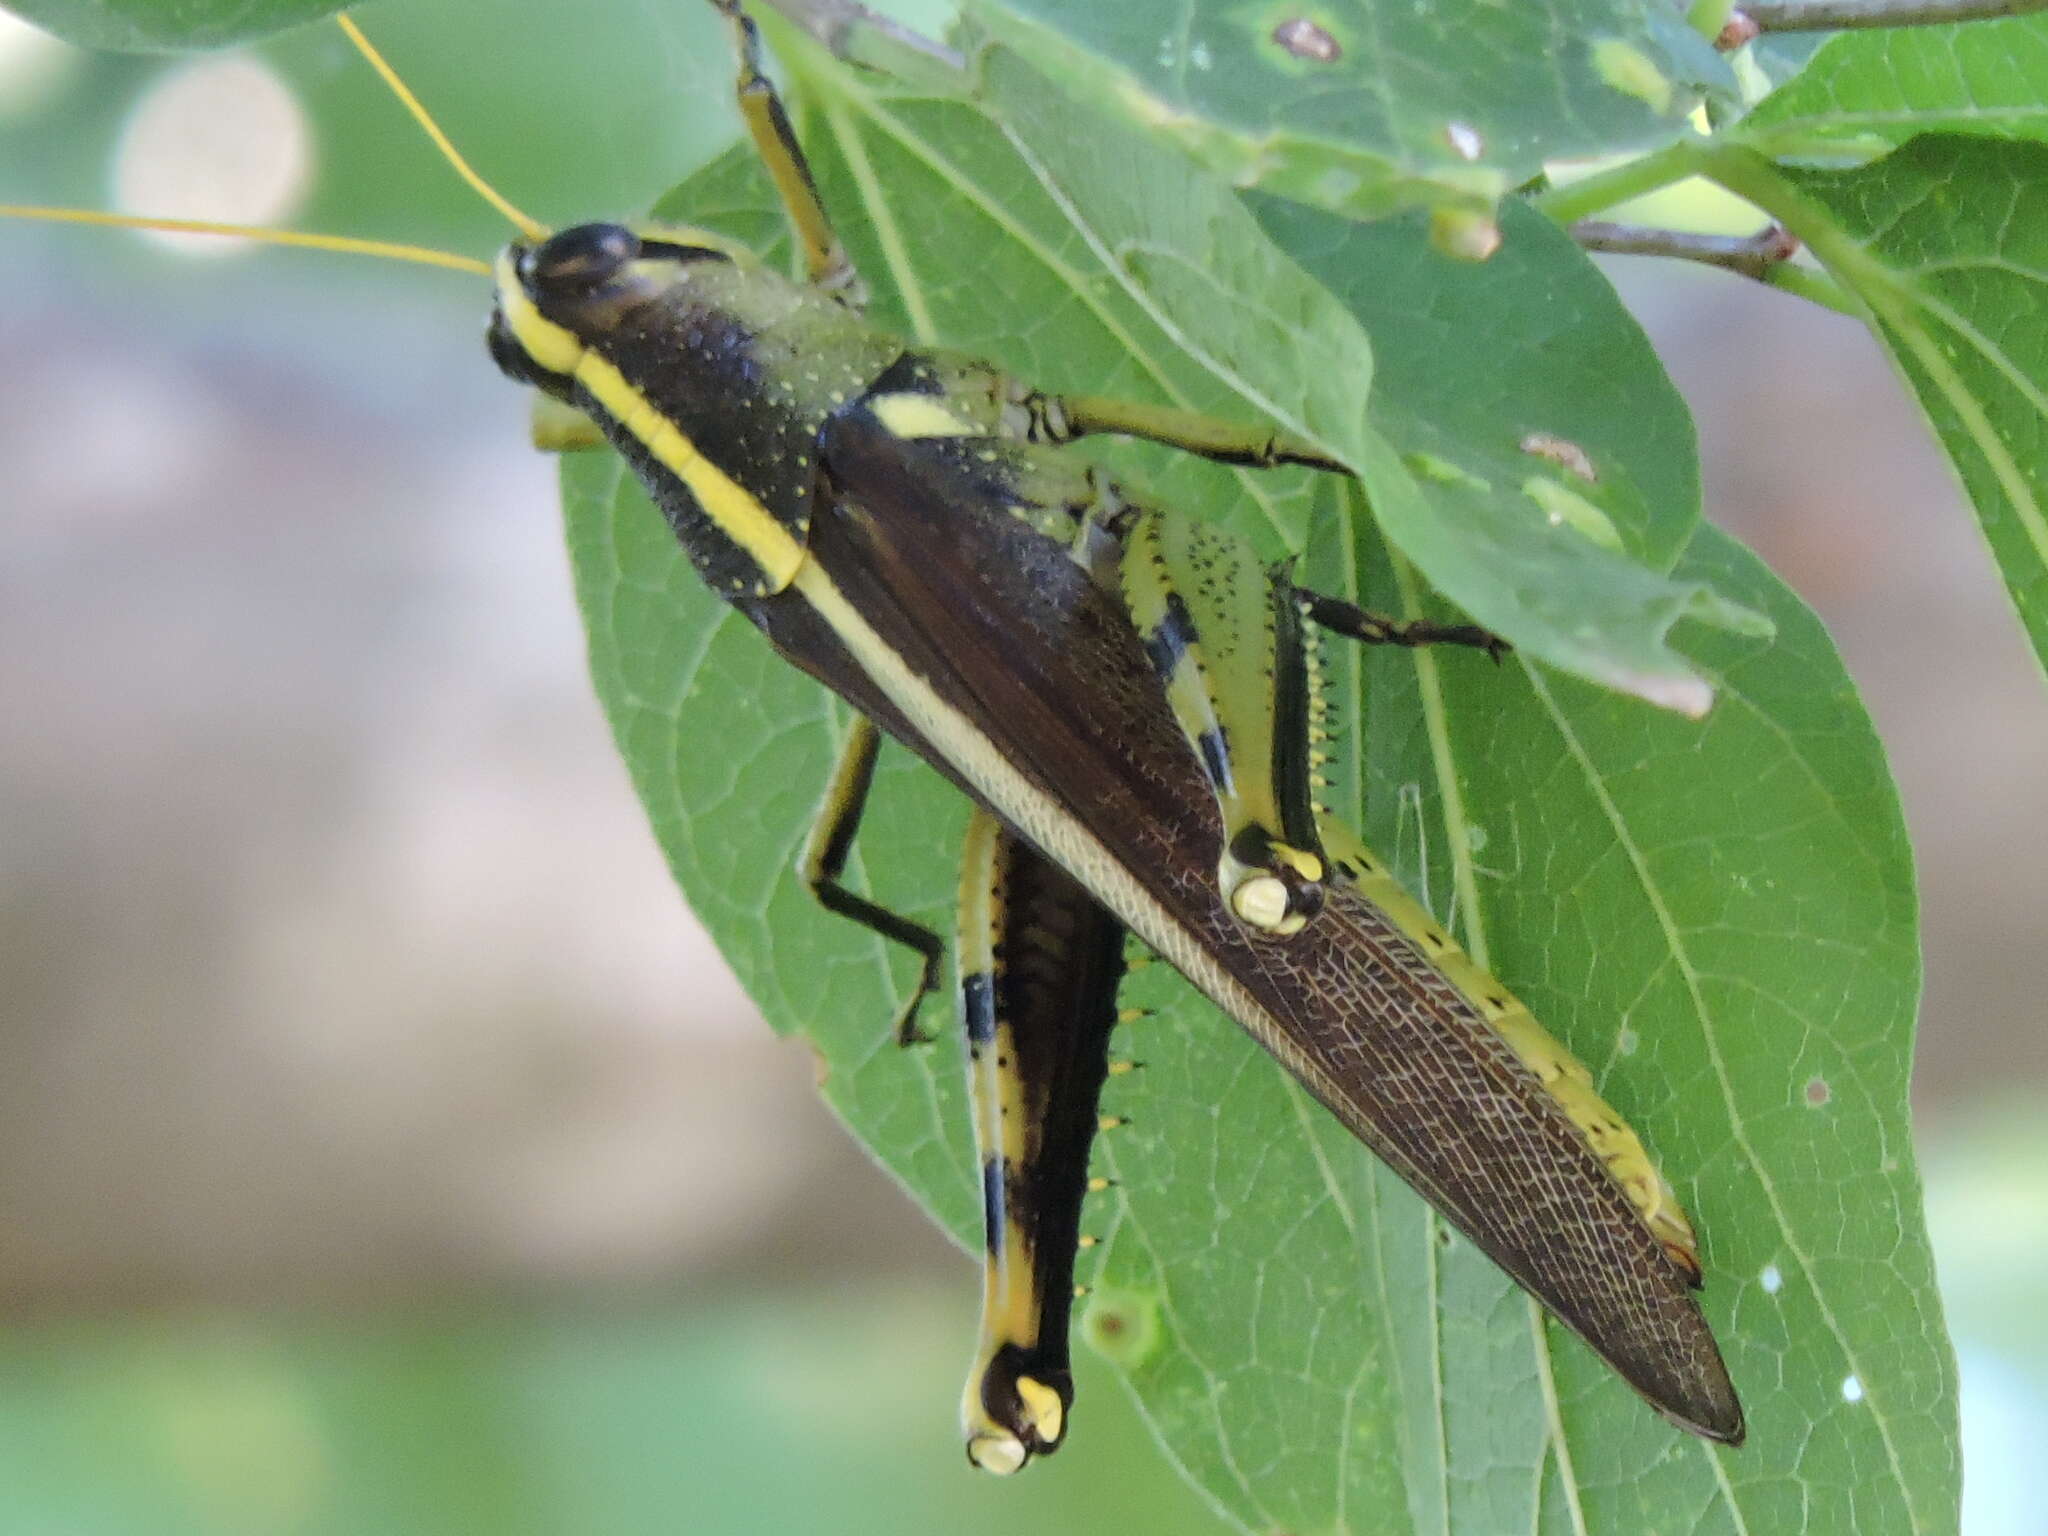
1130, 700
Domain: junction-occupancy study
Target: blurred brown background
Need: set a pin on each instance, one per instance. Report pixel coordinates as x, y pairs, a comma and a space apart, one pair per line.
337, 969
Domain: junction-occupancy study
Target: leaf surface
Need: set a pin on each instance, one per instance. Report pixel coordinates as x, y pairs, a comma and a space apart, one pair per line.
1366, 106
1875, 89
1531, 416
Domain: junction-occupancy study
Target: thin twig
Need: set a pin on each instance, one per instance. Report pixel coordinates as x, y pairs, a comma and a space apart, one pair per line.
1835, 15
1751, 255
1764, 257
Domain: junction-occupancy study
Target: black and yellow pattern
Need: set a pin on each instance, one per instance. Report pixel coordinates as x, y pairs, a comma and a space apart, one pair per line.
1227, 643
709, 374
1039, 965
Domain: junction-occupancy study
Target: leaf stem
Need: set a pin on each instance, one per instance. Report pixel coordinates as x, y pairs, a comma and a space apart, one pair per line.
1619, 183
1835, 15
1751, 255
1816, 288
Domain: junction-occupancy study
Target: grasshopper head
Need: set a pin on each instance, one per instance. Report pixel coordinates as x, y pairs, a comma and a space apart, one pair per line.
576, 289
712, 373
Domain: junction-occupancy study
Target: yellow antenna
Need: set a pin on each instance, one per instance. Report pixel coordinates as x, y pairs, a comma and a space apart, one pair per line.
391, 249
531, 228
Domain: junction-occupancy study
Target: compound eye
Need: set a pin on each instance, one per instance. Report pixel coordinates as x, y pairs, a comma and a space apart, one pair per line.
580, 259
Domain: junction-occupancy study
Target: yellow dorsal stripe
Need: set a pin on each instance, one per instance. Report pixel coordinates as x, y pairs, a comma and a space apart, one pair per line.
533, 229
391, 249
736, 512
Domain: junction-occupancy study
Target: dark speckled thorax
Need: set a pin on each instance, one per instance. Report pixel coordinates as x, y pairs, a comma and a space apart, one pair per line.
744, 364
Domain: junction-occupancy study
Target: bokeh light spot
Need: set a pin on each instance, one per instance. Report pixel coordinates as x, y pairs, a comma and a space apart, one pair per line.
221, 139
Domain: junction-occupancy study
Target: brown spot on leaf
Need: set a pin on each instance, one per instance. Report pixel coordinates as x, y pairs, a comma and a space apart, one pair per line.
1562, 452
1305, 40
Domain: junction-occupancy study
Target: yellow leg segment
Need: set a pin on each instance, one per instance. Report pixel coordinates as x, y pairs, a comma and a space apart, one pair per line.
826, 263
1063, 418
556, 427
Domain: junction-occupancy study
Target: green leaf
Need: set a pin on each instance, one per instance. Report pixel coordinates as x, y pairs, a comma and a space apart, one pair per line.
1868, 91
1532, 415
1944, 242
156, 26
1717, 915
1367, 106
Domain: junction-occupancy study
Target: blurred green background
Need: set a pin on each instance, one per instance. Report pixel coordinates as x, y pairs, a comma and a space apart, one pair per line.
381, 1149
